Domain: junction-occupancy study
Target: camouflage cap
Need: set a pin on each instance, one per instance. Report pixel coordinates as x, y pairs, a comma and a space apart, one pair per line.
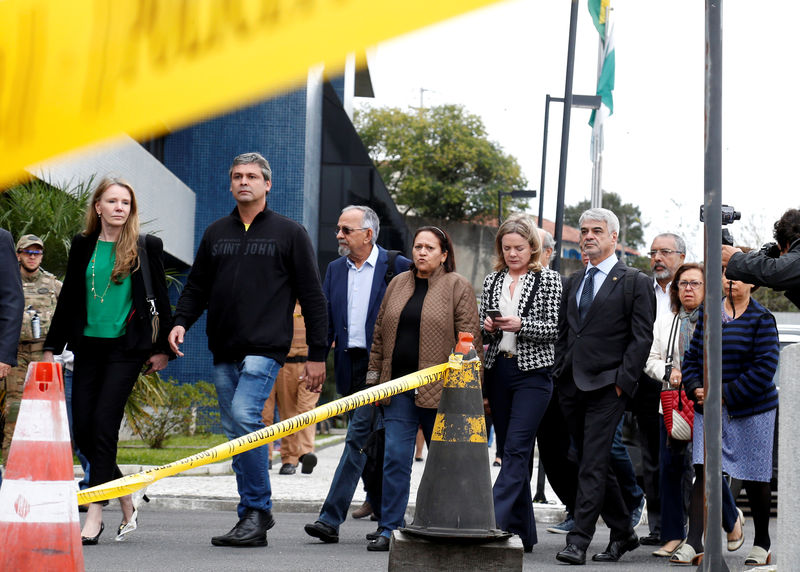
29, 240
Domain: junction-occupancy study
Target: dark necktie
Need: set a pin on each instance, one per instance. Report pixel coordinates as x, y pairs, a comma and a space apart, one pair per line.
587, 294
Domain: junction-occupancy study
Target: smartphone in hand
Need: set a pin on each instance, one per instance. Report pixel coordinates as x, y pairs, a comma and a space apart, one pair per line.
494, 313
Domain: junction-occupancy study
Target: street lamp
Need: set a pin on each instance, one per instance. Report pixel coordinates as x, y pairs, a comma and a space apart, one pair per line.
579, 101
513, 195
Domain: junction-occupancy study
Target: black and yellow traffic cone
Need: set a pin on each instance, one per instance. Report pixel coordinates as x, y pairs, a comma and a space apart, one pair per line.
454, 500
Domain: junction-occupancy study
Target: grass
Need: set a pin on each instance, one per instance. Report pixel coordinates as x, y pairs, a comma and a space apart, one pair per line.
136, 452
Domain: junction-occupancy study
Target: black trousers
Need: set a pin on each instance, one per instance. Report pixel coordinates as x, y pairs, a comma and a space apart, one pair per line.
102, 379
592, 418
554, 452
644, 406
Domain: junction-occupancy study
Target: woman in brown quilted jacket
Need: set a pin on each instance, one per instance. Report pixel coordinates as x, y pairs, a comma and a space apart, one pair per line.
417, 327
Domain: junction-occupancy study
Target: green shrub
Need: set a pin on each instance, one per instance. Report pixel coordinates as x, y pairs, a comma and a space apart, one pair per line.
186, 409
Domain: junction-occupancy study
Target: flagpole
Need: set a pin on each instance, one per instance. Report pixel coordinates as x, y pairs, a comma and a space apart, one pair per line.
597, 134
562, 164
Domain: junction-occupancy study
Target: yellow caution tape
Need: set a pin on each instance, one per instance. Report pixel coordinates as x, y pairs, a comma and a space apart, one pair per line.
76, 72
132, 483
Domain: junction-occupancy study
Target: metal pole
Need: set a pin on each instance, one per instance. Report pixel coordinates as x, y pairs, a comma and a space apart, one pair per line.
712, 335
544, 158
562, 166
500, 208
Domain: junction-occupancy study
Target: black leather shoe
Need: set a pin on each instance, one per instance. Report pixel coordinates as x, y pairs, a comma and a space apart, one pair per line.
652, 539
307, 463
287, 469
380, 544
325, 532
251, 530
616, 548
376, 534
572, 555
92, 540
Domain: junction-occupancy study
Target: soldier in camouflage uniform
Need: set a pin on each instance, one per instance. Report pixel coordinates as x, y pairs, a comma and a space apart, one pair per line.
41, 294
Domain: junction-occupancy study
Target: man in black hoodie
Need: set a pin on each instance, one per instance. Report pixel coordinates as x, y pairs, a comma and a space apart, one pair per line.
250, 268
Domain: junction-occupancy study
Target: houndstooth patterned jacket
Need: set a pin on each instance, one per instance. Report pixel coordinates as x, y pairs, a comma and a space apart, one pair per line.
539, 320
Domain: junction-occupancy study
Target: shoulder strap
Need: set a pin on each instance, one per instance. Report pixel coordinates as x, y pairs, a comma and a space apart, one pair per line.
144, 266
390, 265
628, 279
673, 337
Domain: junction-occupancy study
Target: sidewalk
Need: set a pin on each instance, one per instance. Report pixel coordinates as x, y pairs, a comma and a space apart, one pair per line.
213, 487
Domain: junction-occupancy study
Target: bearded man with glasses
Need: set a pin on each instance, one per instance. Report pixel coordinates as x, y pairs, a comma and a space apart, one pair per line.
354, 286
667, 253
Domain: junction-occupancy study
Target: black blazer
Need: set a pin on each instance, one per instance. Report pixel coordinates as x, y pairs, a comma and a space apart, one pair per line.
12, 300
69, 319
613, 342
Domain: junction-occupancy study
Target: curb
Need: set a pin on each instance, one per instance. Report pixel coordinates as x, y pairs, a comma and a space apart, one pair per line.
545, 514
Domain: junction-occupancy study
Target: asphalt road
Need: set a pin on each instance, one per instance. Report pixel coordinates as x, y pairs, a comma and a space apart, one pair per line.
179, 540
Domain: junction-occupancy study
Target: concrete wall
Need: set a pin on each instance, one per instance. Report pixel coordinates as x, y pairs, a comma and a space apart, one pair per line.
474, 246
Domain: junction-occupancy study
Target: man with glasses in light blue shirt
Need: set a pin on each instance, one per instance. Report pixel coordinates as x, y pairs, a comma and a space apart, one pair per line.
354, 286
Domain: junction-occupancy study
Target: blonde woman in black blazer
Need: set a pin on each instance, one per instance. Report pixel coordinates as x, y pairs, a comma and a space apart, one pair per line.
104, 318
519, 315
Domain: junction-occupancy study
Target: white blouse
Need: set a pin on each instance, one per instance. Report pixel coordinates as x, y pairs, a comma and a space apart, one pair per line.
509, 306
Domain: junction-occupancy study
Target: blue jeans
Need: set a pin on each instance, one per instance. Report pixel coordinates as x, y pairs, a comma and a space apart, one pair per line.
623, 469
242, 389
676, 466
402, 419
84, 482
351, 465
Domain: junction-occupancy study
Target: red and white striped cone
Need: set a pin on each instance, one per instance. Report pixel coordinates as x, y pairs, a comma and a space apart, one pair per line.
39, 521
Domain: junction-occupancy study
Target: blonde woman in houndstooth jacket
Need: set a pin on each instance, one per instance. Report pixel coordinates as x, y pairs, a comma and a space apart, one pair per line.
519, 317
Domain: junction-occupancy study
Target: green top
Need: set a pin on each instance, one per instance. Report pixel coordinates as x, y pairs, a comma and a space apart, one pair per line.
108, 306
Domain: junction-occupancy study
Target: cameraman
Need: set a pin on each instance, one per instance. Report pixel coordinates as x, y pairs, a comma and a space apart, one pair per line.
776, 266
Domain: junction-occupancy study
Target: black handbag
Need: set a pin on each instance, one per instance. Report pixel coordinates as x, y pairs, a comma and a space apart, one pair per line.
373, 467
144, 266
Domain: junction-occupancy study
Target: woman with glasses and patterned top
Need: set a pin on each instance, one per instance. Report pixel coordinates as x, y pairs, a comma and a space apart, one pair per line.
418, 323
104, 317
673, 331
750, 353
519, 315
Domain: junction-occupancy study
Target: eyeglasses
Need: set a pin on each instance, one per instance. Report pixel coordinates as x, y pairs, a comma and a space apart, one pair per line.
347, 230
686, 285
31, 252
663, 252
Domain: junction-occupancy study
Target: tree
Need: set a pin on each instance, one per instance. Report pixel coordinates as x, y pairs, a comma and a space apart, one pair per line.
631, 227
53, 215
438, 162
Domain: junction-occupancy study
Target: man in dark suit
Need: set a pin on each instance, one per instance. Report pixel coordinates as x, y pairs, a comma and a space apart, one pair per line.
605, 333
354, 286
12, 302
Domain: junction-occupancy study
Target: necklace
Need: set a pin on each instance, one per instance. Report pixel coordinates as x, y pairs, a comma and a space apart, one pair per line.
94, 292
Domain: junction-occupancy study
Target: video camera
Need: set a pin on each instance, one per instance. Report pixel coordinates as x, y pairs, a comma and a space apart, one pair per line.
729, 214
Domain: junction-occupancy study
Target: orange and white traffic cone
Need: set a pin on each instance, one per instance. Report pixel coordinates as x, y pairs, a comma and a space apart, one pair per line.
39, 521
